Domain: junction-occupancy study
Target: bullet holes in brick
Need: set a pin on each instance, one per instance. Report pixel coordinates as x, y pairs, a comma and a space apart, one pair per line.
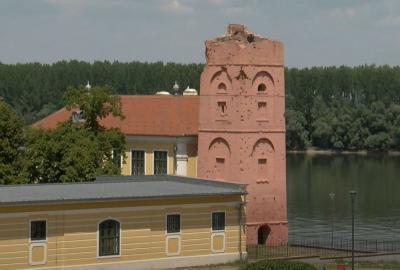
262, 110
250, 38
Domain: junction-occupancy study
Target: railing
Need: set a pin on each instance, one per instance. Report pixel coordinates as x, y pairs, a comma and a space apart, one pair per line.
340, 248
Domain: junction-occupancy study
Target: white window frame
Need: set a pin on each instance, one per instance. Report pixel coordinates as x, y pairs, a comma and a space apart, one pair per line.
30, 228
176, 235
217, 232
211, 223
161, 150
98, 239
180, 223
144, 165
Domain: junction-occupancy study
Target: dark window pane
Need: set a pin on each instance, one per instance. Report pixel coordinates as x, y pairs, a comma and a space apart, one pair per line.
218, 221
38, 230
160, 162
137, 162
173, 223
109, 238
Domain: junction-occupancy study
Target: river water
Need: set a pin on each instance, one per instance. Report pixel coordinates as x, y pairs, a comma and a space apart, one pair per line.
311, 212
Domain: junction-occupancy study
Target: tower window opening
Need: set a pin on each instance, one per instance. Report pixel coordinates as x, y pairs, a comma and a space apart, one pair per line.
222, 107
220, 160
262, 161
221, 87
262, 87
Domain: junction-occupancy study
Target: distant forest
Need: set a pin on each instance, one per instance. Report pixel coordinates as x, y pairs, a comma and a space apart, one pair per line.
342, 108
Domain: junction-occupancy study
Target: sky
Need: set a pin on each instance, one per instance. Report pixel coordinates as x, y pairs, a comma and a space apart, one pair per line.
314, 32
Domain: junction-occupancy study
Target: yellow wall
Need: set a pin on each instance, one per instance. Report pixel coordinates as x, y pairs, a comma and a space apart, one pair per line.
150, 147
192, 160
72, 230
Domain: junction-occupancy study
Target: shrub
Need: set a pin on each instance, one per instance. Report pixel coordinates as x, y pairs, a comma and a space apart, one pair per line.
278, 265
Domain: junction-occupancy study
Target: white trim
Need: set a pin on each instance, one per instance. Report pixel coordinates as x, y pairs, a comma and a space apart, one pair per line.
161, 150
115, 209
172, 236
160, 263
166, 139
166, 223
182, 158
218, 232
144, 157
30, 227
212, 242
38, 244
98, 239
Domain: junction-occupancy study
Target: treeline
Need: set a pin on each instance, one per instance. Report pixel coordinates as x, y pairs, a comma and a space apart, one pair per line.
343, 108
35, 90
327, 107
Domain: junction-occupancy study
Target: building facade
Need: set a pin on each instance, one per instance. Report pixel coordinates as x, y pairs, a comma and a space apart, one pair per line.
121, 223
233, 131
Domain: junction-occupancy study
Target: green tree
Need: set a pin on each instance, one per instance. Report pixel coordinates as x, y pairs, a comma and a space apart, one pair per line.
11, 145
296, 134
71, 153
75, 151
95, 103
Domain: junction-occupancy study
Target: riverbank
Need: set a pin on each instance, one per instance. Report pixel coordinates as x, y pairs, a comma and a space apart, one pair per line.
316, 151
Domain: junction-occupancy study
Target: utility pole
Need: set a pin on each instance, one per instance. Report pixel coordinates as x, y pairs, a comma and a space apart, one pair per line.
353, 195
332, 197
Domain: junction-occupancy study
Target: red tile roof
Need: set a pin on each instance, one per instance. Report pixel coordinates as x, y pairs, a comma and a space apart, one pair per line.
145, 115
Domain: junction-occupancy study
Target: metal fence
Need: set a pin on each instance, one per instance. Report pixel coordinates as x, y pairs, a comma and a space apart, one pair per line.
340, 248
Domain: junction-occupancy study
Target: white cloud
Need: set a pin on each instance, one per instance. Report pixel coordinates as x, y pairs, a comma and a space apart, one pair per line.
176, 6
343, 13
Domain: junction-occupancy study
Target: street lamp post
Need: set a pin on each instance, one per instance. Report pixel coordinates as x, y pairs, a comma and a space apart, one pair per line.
353, 195
332, 197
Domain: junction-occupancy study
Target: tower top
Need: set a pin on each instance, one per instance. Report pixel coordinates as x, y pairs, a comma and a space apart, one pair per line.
239, 46
175, 88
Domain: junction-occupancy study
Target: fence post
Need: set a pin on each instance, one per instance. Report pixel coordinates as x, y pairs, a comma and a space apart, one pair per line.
287, 249
256, 252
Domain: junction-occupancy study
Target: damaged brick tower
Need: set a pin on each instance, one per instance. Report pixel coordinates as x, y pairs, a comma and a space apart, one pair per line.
242, 126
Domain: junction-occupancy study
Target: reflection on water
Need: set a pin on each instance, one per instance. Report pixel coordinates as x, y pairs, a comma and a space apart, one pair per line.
310, 179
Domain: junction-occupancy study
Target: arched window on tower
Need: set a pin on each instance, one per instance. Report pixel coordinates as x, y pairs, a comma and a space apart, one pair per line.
263, 156
262, 234
219, 150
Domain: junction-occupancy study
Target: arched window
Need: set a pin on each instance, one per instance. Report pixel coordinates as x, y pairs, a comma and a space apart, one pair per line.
263, 233
109, 238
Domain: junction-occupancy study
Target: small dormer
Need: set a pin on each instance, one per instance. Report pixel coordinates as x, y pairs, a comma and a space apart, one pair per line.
77, 117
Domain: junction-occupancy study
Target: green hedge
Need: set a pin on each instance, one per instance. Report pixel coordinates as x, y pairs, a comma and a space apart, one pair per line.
278, 265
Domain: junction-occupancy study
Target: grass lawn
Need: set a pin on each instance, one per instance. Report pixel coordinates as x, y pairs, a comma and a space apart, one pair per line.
357, 266
366, 266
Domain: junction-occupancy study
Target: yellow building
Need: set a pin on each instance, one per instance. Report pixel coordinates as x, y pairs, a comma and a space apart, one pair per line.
161, 133
117, 222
